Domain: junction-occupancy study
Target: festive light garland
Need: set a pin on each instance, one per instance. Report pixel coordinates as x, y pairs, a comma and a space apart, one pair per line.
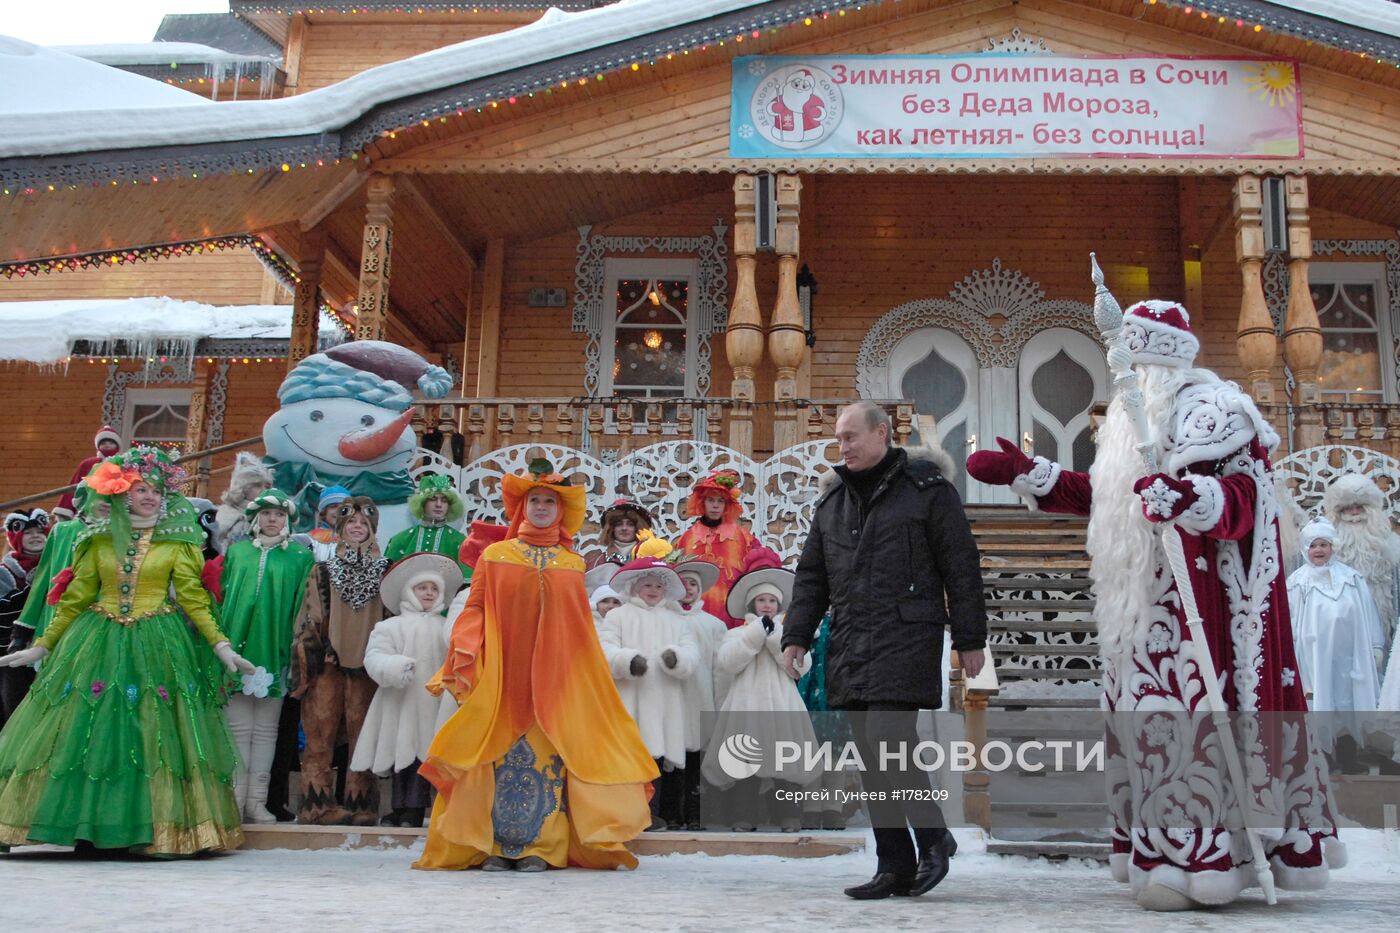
270, 258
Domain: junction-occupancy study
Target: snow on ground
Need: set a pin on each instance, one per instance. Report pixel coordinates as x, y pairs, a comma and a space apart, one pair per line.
366, 889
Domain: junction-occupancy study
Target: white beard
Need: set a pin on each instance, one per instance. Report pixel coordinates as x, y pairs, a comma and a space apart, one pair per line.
1369, 546
1127, 565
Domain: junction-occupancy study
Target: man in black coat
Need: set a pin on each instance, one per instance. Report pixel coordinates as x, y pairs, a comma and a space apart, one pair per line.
891, 554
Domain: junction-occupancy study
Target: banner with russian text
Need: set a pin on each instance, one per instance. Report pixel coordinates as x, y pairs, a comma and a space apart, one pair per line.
1014, 105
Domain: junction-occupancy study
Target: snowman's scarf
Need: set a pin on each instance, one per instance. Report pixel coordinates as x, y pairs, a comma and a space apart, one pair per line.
384, 488
355, 575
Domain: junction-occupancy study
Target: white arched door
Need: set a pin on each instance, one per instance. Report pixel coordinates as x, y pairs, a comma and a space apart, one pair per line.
937, 370
1061, 373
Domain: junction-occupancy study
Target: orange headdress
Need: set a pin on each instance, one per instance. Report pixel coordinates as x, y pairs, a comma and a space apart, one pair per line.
725, 483
515, 489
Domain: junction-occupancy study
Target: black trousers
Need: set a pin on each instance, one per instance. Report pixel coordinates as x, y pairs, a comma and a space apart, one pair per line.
286, 759
887, 725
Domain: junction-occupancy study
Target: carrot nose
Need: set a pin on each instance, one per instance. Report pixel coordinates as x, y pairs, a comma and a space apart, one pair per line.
372, 443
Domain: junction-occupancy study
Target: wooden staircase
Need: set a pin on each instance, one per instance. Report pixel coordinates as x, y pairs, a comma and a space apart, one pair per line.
1042, 637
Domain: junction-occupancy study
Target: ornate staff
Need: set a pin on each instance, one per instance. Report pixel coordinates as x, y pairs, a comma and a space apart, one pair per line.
1108, 317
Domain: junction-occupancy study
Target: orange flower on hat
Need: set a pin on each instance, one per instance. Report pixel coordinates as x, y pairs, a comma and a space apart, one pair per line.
110, 479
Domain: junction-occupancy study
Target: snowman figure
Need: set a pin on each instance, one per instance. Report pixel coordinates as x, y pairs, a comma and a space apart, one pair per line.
798, 110
344, 420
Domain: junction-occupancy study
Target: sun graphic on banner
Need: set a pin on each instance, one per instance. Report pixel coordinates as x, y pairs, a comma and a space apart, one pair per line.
1272, 82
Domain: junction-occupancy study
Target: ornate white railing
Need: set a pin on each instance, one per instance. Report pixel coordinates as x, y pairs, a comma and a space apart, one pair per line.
779, 492
1311, 470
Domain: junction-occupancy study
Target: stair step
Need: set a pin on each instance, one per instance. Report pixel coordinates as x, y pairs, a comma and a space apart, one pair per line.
984, 532
1024, 547
1077, 566
1048, 651
1039, 673
1041, 605
1022, 625
1023, 582
1037, 703
1051, 850
1049, 808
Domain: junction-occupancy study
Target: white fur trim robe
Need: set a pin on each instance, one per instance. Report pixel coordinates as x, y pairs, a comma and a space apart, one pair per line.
403, 716
657, 699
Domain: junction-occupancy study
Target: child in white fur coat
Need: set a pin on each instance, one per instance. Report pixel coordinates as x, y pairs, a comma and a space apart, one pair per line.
403, 652
704, 693
652, 653
762, 702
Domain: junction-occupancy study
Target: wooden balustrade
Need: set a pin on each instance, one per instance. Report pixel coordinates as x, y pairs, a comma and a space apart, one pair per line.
622, 425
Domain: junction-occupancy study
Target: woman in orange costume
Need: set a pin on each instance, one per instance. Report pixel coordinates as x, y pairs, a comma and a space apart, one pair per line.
540, 766
718, 538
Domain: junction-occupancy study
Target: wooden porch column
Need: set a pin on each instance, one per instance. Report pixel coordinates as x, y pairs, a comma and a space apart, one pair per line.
493, 276
306, 301
1254, 335
374, 258
195, 427
743, 342
787, 338
1302, 332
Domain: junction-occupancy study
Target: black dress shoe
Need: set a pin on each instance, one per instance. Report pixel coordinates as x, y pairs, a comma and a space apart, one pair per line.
884, 884
933, 867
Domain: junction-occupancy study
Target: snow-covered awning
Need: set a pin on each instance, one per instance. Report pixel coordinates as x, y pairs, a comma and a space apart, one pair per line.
46, 332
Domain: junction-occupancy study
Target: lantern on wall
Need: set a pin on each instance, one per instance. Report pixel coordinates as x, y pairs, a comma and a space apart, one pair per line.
806, 288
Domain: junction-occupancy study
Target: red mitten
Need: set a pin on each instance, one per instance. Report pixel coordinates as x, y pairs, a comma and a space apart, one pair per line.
60, 586
1164, 497
999, 469
212, 578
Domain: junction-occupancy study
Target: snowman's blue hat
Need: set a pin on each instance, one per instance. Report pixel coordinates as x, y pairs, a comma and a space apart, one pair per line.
369, 371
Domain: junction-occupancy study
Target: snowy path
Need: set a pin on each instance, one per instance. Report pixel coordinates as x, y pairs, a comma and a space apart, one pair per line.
375, 890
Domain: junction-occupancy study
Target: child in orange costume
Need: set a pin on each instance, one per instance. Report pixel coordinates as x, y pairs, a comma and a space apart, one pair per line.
718, 538
540, 766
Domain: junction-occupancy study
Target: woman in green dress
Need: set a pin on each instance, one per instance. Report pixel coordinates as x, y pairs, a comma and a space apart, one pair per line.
121, 742
263, 584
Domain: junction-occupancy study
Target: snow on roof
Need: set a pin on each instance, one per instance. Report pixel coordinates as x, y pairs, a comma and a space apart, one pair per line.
1382, 16
157, 53
40, 83
44, 332
553, 35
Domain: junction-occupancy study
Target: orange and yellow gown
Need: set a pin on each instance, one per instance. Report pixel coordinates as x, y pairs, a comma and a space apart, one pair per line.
541, 759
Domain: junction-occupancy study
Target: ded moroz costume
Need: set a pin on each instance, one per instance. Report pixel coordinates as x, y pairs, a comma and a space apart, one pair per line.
1216, 485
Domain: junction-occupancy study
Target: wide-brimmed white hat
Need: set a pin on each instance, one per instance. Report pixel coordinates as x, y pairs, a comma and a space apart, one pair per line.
773, 580
706, 571
603, 573
635, 571
414, 569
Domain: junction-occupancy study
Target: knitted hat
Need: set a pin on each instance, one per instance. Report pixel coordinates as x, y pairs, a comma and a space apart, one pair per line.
481, 536
646, 568
331, 495
1160, 332
370, 371
22, 520
106, 433
726, 483
1317, 528
601, 593
272, 499
435, 484
409, 571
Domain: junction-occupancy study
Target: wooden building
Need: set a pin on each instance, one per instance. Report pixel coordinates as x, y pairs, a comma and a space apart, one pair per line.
558, 193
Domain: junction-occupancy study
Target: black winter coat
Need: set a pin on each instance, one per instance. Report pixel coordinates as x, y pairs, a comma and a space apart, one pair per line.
885, 576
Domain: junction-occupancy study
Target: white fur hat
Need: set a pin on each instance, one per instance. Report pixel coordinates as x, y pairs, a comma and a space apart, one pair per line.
1315, 529
601, 593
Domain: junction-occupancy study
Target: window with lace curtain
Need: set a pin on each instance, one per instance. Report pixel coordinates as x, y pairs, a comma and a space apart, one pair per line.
157, 417
1357, 356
